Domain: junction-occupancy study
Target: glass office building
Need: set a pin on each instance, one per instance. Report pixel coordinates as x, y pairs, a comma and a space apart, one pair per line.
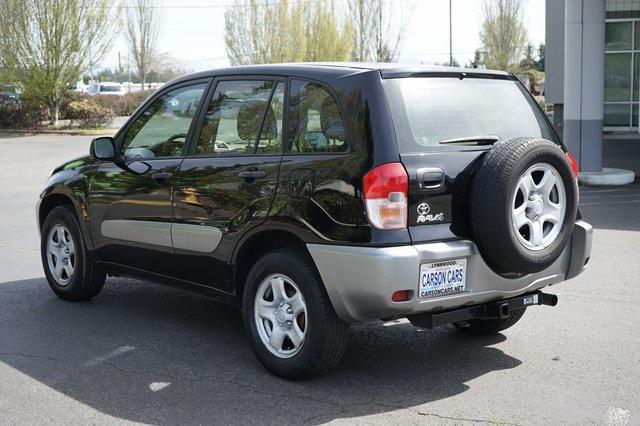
622, 65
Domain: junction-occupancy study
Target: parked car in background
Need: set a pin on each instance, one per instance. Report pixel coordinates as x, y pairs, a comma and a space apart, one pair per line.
9, 95
137, 87
105, 88
312, 196
79, 87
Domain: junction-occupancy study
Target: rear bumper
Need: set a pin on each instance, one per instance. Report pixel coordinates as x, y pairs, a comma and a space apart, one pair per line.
361, 280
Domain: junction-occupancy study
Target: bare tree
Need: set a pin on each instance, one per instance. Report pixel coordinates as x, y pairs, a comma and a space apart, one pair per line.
142, 29
503, 34
378, 28
361, 18
45, 46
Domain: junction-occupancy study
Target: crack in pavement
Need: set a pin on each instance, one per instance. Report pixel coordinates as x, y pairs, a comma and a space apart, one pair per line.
23, 355
345, 408
465, 419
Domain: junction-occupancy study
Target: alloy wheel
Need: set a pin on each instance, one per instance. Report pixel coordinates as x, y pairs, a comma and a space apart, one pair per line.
280, 315
61, 255
538, 206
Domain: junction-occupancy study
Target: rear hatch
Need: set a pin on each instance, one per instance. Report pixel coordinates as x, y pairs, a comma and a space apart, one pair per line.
444, 122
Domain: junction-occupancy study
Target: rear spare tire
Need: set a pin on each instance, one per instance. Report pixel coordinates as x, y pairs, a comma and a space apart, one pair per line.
523, 205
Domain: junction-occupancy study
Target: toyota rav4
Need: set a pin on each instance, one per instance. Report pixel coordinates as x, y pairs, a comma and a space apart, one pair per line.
312, 196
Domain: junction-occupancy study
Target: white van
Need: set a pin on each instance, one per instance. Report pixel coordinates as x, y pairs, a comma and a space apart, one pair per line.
105, 88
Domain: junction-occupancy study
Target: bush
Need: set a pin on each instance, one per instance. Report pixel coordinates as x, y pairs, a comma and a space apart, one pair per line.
22, 116
68, 97
88, 114
122, 105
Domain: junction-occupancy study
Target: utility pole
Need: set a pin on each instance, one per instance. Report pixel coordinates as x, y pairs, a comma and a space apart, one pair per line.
129, 71
450, 37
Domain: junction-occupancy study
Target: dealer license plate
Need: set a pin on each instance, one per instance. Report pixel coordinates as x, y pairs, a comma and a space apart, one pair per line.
442, 278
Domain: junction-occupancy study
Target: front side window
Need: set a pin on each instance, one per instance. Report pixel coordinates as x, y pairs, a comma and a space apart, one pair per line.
161, 130
315, 123
235, 115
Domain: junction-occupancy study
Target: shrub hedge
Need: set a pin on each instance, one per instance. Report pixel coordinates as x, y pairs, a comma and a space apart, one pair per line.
22, 116
88, 114
122, 105
83, 110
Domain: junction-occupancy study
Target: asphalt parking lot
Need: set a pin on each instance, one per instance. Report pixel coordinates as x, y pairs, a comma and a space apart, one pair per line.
144, 353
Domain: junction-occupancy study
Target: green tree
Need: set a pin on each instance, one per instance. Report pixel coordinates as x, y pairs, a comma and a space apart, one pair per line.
280, 31
528, 61
476, 62
325, 41
264, 32
503, 35
539, 65
45, 46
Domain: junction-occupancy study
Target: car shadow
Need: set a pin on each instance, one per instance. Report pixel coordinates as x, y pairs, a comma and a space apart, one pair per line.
146, 353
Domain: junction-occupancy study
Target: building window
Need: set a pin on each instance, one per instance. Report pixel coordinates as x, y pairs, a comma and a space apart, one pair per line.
617, 80
623, 9
618, 36
622, 71
616, 115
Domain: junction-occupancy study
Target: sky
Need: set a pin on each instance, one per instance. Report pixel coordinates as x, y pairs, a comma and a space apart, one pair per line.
193, 32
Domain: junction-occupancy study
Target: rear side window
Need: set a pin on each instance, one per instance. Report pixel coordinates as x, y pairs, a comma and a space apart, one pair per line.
430, 111
235, 116
314, 121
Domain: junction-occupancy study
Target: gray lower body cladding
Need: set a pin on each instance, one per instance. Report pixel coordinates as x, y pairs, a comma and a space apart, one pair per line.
361, 280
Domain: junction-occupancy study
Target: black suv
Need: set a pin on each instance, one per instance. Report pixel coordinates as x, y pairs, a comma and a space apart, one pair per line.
312, 196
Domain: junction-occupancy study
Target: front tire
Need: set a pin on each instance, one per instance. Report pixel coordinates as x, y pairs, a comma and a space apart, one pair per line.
292, 326
67, 266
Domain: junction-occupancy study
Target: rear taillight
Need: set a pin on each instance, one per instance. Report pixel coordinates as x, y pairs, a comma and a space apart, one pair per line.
574, 164
385, 196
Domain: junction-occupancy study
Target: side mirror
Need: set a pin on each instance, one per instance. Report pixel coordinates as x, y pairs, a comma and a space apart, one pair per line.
103, 148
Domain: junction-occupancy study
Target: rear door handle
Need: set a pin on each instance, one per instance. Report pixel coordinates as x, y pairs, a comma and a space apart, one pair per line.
160, 177
430, 178
252, 174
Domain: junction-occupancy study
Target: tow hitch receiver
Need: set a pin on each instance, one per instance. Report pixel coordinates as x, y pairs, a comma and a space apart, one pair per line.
490, 310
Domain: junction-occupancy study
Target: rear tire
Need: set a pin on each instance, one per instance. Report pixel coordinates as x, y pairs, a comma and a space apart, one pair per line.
67, 265
490, 326
304, 309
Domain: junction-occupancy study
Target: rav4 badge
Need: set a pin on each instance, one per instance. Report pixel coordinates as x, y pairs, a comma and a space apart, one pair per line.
424, 216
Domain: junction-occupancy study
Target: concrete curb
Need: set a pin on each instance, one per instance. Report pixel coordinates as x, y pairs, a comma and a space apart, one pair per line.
72, 132
608, 176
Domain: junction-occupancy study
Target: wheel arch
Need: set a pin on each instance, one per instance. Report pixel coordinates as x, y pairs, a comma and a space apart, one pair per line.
57, 196
250, 248
51, 201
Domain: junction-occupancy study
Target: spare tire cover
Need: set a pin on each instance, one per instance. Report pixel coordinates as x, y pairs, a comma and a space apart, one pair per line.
523, 205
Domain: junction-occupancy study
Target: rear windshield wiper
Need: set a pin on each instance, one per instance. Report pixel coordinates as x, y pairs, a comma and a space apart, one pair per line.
472, 140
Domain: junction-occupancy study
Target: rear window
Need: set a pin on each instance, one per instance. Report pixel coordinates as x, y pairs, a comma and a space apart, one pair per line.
109, 88
431, 110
